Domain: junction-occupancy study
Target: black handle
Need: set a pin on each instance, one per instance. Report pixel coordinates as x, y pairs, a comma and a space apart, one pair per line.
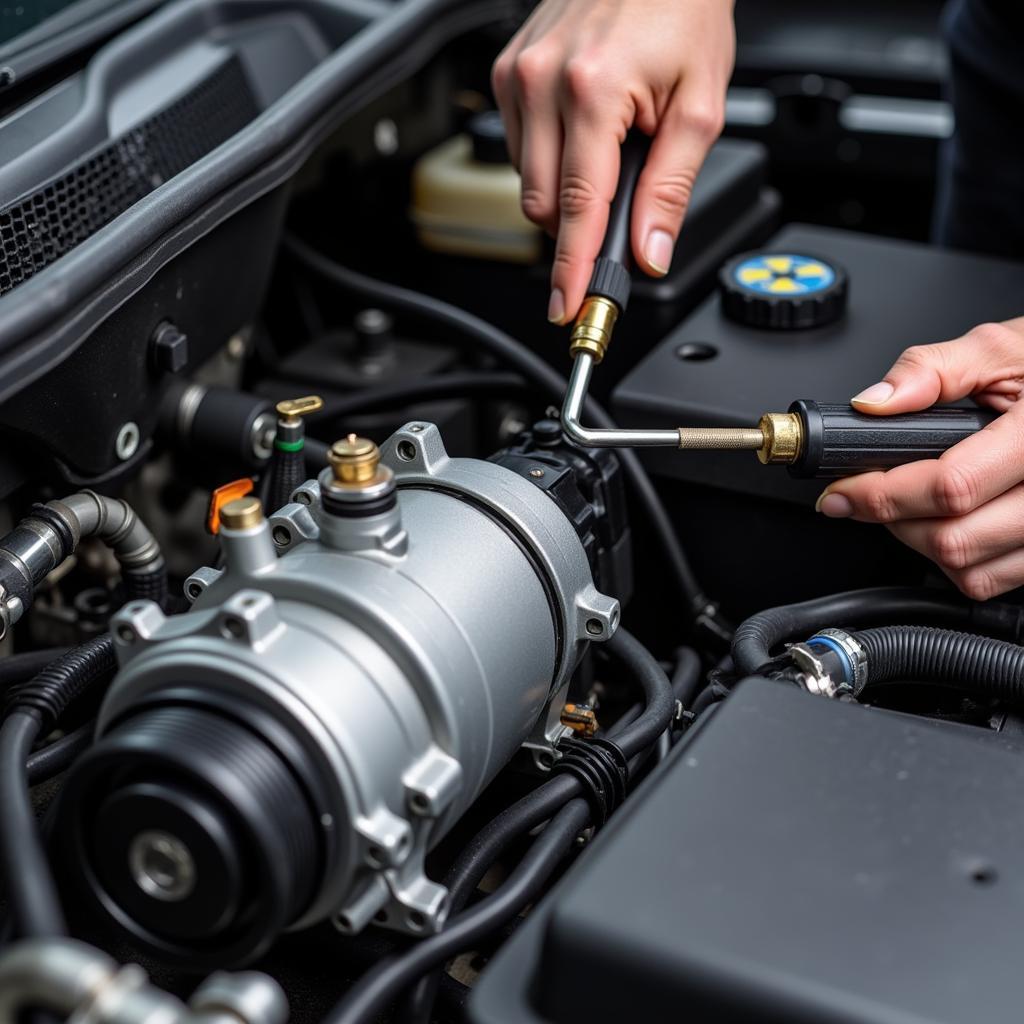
611, 277
839, 441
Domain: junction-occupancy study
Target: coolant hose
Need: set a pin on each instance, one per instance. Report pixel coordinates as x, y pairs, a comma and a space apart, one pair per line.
756, 639
925, 654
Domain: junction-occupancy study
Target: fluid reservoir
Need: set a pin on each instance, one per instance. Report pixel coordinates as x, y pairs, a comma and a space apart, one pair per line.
466, 198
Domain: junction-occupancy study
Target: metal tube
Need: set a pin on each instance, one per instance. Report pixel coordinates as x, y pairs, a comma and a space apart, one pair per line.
572, 409
694, 438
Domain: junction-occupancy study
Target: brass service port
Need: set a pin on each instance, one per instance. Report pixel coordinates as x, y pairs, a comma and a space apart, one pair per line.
354, 461
241, 514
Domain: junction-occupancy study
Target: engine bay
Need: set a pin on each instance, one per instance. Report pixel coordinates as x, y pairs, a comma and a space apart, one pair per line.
374, 650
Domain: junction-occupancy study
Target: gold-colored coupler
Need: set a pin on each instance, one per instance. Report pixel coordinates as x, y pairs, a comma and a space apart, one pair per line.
354, 460
592, 332
778, 438
783, 438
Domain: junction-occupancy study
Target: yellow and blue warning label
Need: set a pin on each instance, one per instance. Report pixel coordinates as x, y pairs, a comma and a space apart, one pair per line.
783, 274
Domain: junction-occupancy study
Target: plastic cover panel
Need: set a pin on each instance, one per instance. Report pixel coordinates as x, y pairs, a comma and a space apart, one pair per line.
48, 223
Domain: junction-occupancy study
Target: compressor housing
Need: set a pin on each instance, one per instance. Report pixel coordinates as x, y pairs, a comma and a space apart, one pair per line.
363, 664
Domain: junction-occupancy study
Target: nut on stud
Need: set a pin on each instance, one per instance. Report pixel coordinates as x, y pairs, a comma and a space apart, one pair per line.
354, 460
242, 513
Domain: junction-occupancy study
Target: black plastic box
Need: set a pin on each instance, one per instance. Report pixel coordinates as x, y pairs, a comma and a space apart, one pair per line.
795, 860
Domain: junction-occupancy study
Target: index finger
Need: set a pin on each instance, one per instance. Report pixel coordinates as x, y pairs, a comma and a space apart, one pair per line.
590, 173
978, 469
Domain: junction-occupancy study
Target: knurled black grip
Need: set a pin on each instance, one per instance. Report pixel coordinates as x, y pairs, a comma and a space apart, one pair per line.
839, 441
611, 277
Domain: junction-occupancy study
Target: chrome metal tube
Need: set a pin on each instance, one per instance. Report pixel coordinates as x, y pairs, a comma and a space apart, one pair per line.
572, 410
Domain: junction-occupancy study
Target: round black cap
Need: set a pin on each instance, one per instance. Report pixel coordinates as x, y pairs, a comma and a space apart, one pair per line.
782, 290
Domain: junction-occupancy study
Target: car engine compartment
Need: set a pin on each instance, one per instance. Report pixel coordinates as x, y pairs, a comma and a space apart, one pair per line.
347, 675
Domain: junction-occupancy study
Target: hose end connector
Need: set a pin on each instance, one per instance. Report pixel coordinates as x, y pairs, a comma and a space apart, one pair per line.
592, 332
832, 663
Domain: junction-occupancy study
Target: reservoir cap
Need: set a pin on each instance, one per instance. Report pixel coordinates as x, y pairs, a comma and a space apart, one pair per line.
782, 290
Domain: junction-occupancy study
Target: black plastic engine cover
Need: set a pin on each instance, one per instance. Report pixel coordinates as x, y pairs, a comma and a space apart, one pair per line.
760, 542
712, 370
795, 860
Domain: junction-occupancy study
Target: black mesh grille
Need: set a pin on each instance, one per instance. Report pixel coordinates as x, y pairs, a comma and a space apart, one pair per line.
41, 227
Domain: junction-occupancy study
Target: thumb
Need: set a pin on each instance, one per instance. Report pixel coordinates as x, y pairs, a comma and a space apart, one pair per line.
926, 374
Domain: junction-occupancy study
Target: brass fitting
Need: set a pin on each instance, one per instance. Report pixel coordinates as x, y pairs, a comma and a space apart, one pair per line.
783, 438
580, 718
734, 439
354, 461
242, 513
292, 409
592, 332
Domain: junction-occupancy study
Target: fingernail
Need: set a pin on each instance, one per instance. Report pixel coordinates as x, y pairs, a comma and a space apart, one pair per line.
659, 250
875, 395
556, 306
835, 506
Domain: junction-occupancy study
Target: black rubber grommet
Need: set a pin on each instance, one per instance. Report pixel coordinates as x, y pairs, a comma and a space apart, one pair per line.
356, 509
601, 768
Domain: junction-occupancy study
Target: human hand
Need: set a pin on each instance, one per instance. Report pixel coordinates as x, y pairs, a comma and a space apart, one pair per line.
571, 83
964, 510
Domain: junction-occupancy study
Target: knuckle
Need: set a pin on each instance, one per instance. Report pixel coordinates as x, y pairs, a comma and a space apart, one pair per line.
583, 77
537, 205
978, 584
671, 194
565, 262
918, 357
997, 337
880, 507
950, 547
577, 196
501, 73
956, 490
532, 71
705, 120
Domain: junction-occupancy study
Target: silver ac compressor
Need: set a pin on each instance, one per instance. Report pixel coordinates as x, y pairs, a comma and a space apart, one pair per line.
363, 664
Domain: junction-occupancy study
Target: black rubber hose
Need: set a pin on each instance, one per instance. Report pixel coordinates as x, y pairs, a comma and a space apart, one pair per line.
686, 676
287, 470
57, 685
19, 668
537, 807
756, 639
31, 893
533, 368
35, 706
925, 654
146, 586
388, 979
51, 760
